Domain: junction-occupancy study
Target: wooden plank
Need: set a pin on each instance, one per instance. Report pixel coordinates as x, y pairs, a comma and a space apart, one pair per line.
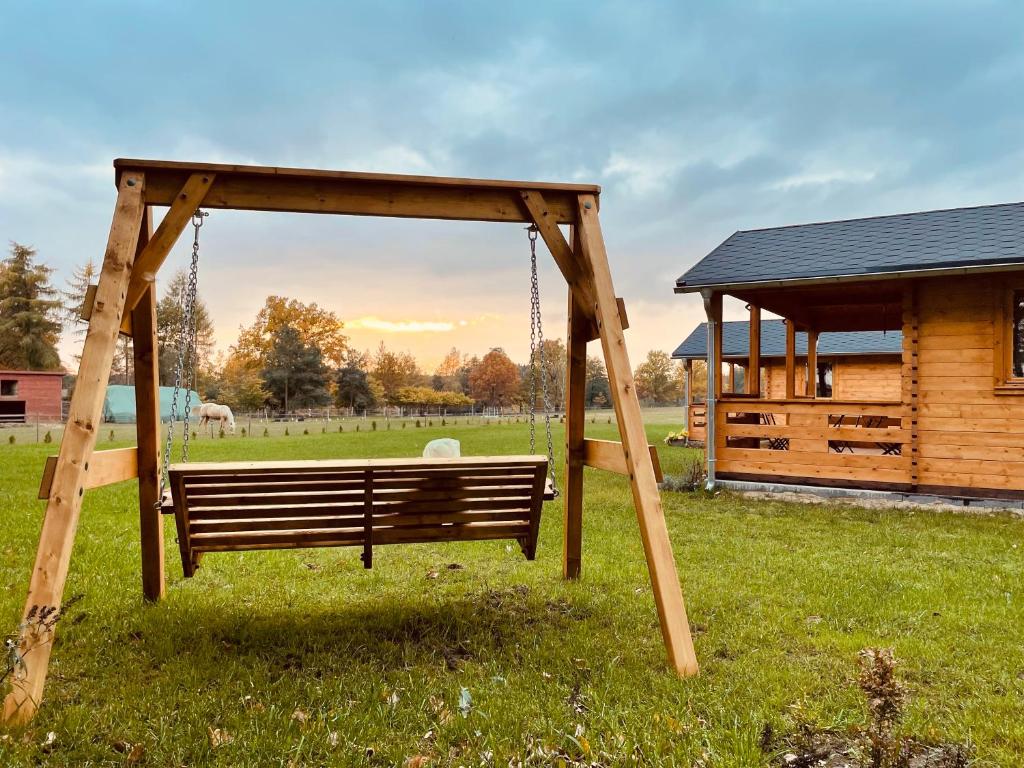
156, 249
815, 471
832, 407
822, 458
609, 456
87, 303
675, 628
753, 378
53, 558
575, 425
147, 429
790, 359
439, 466
260, 188
103, 468
810, 388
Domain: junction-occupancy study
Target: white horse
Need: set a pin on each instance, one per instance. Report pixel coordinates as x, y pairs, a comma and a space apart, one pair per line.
220, 413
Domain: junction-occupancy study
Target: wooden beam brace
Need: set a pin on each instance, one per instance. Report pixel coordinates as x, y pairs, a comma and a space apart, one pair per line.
546, 223
811, 388
153, 255
60, 523
610, 456
104, 468
661, 565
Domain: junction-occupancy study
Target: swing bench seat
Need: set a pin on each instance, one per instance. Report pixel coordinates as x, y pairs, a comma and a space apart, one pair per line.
254, 505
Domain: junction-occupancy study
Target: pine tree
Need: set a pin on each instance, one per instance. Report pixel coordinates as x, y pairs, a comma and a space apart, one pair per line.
30, 313
169, 312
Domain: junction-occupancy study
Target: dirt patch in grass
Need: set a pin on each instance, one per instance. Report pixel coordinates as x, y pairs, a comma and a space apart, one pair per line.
824, 749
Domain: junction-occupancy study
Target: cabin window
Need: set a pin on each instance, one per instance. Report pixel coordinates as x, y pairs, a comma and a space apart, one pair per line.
1009, 343
9, 388
824, 388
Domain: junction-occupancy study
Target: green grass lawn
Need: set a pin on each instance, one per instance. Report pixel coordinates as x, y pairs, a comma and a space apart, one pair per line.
304, 658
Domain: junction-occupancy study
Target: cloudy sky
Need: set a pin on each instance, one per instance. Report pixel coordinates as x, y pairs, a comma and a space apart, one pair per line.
697, 118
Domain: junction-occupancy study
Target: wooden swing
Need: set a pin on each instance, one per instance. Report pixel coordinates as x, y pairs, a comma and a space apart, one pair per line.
239, 506
353, 506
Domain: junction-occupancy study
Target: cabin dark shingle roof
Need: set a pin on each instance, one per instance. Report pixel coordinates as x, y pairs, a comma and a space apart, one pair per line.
913, 242
736, 342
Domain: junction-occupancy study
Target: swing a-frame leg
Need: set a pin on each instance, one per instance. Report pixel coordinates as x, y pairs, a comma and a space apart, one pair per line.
668, 596
46, 587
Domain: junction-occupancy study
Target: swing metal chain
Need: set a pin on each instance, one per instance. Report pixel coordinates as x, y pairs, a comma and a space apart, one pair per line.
538, 361
184, 370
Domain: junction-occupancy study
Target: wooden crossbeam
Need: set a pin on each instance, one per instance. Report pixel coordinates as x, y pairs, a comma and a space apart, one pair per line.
609, 456
260, 188
104, 468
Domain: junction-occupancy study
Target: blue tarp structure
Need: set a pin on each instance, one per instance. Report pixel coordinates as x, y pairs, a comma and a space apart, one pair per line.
119, 405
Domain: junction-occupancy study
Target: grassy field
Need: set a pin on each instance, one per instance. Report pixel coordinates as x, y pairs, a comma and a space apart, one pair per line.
304, 658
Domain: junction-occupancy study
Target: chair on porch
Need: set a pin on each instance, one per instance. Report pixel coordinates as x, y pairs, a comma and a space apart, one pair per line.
774, 443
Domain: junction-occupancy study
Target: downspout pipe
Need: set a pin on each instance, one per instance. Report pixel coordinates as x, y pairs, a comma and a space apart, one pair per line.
709, 401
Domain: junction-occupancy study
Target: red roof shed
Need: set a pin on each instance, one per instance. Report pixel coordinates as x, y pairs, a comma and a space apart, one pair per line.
25, 395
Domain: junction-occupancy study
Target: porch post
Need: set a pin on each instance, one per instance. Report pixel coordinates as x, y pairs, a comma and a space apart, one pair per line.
790, 359
753, 377
713, 310
812, 363
689, 395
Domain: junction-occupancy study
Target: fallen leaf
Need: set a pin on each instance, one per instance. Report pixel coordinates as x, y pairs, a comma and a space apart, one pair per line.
218, 737
137, 753
392, 699
460, 566
417, 761
300, 716
432, 574
333, 739
465, 702
50, 740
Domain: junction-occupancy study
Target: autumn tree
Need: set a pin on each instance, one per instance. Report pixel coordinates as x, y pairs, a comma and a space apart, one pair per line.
240, 385
446, 376
552, 373
170, 311
315, 326
655, 379
393, 370
294, 373
30, 313
495, 380
598, 394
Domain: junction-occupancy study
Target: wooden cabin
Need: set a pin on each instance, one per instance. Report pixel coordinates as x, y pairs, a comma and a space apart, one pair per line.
951, 281
849, 364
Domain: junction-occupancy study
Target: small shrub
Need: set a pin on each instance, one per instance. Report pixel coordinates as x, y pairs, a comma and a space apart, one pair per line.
444, 423
11, 439
221, 432
244, 433
341, 428
373, 425
430, 423
286, 431
690, 479
357, 427
111, 436
609, 419
305, 431
47, 438
266, 432
886, 696
195, 435
323, 430
417, 424
404, 425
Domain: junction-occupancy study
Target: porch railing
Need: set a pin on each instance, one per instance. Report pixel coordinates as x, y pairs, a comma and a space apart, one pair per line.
853, 441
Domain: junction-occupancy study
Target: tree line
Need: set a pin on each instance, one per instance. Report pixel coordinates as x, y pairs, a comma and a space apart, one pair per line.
294, 355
